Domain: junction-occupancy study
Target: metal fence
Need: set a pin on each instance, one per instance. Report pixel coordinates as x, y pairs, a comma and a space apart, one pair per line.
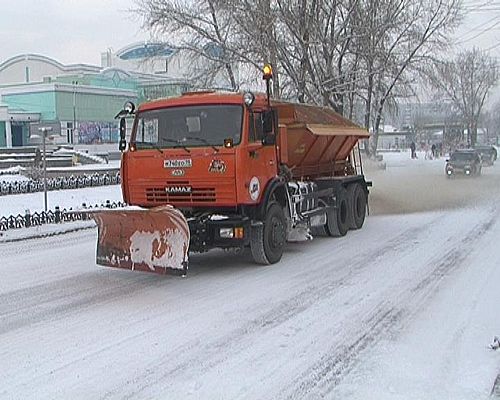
9, 172
61, 182
52, 217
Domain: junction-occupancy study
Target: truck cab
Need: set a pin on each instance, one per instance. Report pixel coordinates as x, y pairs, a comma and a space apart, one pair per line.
200, 151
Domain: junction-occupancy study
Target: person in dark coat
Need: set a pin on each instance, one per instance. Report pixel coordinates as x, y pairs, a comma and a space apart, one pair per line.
37, 161
413, 148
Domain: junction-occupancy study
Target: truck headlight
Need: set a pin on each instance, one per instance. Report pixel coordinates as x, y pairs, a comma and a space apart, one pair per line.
226, 233
232, 233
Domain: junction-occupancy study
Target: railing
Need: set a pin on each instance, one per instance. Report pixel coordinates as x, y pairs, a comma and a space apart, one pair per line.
9, 172
61, 182
52, 217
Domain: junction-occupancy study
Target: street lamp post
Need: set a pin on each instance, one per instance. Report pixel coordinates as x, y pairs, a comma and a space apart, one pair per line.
44, 131
74, 112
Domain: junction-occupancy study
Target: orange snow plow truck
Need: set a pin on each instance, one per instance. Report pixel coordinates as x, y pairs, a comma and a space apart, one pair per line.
230, 170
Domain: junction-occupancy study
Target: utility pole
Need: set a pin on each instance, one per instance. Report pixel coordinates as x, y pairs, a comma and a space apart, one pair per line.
44, 131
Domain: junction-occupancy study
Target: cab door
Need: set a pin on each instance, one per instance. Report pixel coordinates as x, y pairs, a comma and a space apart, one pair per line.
259, 164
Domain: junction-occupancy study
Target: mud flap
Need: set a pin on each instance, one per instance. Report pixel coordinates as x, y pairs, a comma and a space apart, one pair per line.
151, 240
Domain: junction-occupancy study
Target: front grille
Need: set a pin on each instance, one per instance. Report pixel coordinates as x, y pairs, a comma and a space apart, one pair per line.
197, 195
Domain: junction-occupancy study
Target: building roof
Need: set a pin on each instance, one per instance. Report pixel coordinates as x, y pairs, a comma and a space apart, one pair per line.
48, 60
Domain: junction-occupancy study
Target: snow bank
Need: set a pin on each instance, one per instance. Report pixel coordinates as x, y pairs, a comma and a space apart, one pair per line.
18, 203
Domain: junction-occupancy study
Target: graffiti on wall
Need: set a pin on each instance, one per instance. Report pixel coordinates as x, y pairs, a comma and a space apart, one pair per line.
97, 132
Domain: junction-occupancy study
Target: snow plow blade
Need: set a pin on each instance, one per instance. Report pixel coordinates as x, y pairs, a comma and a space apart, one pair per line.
151, 240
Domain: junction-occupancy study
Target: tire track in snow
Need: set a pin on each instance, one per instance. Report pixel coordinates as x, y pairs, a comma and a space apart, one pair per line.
329, 371
57, 300
495, 390
216, 352
201, 359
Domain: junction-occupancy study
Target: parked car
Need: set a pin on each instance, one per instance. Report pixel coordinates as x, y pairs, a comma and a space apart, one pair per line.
488, 154
466, 162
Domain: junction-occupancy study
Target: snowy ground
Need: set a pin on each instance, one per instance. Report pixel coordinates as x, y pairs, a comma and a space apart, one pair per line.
401, 309
14, 204
73, 198
18, 203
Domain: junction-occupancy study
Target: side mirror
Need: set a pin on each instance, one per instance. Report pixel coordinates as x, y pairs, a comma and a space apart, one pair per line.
128, 109
122, 145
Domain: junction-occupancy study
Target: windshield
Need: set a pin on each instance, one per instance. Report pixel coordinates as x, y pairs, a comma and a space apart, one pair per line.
462, 157
189, 126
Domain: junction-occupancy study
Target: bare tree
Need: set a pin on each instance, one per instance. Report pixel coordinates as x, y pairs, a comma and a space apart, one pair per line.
466, 81
491, 122
202, 29
396, 37
332, 53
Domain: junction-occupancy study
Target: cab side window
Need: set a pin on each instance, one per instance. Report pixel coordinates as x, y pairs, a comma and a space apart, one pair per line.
256, 131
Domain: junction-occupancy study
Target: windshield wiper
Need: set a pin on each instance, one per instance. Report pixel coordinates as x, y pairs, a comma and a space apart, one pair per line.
178, 142
201, 140
154, 145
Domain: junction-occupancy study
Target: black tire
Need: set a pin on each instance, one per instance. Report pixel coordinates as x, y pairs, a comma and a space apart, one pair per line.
357, 205
337, 221
267, 241
317, 231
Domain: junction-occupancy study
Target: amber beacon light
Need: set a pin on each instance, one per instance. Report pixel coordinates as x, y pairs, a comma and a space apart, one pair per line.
267, 72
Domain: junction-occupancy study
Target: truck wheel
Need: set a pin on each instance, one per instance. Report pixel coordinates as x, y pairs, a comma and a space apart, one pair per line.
357, 205
337, 221
268, 240
317, 231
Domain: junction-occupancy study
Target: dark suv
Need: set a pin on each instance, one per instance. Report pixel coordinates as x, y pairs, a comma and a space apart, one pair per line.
466, 162
488, 154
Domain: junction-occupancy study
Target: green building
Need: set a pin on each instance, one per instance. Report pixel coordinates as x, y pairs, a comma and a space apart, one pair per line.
79, 101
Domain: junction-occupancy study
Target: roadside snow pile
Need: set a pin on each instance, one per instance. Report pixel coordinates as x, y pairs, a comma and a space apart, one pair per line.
81, 154
18, 203
41, 231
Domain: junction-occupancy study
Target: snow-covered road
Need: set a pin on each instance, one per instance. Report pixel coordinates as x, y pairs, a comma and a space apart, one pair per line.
402, 309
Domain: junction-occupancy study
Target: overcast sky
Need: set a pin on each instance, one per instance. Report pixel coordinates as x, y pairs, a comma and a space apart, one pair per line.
77, 31
70, 31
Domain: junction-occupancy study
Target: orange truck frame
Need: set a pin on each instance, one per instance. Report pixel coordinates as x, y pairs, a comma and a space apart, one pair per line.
230, 170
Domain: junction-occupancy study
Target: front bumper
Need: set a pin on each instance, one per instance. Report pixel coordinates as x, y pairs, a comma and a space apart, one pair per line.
224, 232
